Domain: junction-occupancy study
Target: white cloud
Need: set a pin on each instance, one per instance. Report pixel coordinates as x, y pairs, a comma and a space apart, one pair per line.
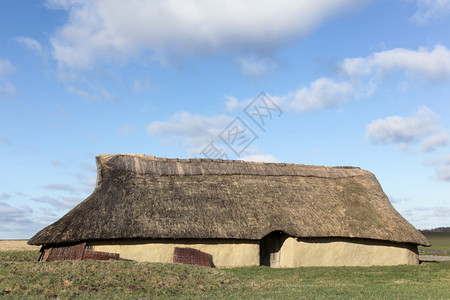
440, 139
358, 77
114, 29
186, 130
259, 158
322, 93
196, 134
431, 9
397, 129
30, 43
232, 103
431, 65
256, 67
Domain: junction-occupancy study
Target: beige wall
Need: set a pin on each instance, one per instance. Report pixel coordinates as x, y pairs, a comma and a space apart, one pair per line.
345, 252
225, 253
293, 253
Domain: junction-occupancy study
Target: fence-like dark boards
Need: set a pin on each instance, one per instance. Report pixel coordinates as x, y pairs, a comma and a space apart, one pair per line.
192, 257
73, 252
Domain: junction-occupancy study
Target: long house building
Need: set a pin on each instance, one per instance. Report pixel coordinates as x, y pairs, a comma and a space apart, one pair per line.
228, 213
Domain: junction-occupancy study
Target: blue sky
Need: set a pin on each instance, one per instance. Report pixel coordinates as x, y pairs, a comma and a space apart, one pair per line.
360, 83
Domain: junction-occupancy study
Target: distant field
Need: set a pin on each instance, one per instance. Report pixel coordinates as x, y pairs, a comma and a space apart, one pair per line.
22, 277
440, 242
16, 245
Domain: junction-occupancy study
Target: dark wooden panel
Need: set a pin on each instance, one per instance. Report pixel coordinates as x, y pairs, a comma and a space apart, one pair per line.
45, 253
97, 255
64, 252
192, 257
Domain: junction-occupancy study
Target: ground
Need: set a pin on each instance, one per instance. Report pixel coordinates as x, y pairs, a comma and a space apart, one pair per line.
21, 276
13, 245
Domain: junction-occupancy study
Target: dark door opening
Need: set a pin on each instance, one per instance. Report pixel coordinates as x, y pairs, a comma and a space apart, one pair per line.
269, 249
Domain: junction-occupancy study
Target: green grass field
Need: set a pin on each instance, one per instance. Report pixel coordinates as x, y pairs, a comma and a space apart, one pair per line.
21, 276
440, 242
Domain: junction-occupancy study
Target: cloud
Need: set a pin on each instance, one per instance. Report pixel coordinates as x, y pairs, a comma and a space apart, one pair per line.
395, 200
256, 67
358, 77
90, 181
322, 93
187, 130
260, 158
59, 187
6, 87
423, 63
60, 202
126, 130
443, 173
142, 86
442, 168
403, 130
10, 214
442, 212
120, 30
98, 93
17, 222
6, 68
5, 196
6, 140
57, 163
233, 103
440, 139
423, 127
30, 43
429, 216
430, 9
89, 167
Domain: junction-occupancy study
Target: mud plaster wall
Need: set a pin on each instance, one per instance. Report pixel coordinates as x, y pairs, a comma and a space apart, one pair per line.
293, 253
335, 252
225, 253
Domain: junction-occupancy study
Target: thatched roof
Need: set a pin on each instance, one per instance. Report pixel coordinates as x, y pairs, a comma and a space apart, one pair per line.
144, 197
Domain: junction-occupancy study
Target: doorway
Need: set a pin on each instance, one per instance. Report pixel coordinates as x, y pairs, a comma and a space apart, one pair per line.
269, 249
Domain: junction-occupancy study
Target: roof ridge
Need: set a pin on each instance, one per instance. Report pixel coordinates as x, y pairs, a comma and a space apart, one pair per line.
209, 160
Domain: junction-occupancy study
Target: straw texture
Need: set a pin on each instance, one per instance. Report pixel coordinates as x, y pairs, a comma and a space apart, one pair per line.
141, 197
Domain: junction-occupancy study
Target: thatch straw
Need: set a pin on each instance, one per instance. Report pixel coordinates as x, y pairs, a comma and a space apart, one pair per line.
143, 197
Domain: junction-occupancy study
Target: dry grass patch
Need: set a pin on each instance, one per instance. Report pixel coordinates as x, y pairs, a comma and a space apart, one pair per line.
21, 276
16, 245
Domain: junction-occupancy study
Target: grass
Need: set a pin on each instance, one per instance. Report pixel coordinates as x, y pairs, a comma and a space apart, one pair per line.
440, 242
21, 276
